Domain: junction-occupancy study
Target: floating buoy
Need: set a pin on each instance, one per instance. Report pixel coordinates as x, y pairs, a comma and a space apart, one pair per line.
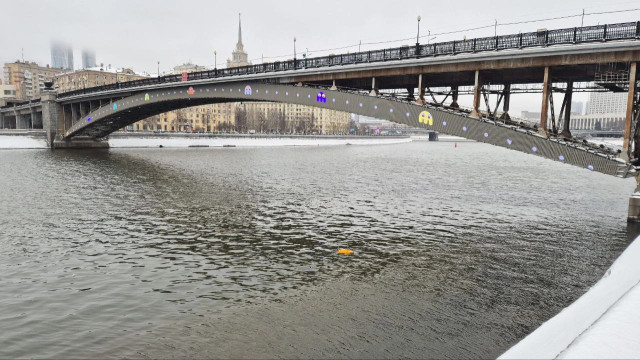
345, 251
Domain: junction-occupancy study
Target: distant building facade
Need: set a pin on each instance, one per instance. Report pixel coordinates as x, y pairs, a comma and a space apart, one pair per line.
607, 103
261, 117
88, 59
86, 78
61, 56
7, 92
608, 122
188, 68
28, 78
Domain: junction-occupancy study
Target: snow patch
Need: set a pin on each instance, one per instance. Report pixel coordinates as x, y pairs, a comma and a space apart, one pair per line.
22, 142
178, 142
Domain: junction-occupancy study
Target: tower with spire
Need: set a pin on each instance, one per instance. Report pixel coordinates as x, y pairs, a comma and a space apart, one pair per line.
239, 56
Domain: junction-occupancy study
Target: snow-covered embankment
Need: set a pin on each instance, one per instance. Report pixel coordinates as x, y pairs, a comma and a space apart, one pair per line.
604, 323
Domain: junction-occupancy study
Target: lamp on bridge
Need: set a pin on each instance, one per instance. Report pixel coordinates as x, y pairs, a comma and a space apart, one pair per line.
215, 61
294, 52
158, 68
418, 37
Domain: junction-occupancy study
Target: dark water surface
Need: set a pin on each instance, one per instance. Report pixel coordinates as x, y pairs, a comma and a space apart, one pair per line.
459, 252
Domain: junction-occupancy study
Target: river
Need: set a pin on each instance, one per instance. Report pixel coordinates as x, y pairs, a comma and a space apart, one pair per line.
460, 251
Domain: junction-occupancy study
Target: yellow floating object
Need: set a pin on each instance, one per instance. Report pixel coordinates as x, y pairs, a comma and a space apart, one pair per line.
345, 251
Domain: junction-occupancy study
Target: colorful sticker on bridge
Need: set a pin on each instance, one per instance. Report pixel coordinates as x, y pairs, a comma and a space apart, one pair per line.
115, 106
89, 119
321, 97
425, 118
247, 90
191, 91
146, 97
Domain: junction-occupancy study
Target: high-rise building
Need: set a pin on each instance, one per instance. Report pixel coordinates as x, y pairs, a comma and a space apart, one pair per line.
88, 59
61, 56
239, 56
607, 103
28, 78
577, 107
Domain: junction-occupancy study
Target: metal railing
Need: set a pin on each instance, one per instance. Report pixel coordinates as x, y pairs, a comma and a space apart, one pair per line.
576, 35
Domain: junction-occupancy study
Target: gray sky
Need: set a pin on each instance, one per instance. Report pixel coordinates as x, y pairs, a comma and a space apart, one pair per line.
137, 34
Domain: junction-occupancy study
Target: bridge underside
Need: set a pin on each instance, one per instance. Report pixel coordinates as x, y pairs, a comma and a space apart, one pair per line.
118, 114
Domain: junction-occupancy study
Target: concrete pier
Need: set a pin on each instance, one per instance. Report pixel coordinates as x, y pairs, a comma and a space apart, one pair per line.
634, 208
81, 143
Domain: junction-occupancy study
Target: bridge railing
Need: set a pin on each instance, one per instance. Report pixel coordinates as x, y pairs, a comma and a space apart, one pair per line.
575, 35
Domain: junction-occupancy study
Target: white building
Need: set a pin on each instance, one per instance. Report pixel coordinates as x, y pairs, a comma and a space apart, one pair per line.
607, 103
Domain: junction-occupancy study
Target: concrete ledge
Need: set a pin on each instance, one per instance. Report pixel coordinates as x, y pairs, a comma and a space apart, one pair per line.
634, 208
81, 143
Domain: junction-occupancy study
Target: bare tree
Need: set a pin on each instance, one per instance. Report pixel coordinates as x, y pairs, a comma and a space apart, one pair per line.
180, 120
241, 119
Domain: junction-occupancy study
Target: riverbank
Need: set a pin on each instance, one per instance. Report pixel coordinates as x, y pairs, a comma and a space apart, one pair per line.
602, 324
174, 140
35, 139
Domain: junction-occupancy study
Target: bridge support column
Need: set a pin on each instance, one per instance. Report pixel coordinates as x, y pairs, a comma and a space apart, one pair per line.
75, 114
626, 144
634, 204
21, 121
83, 110
420, 100
36, 119
477, 94
2, 124
546, 90
454, 97
67, 117
374, 89
567, 111
52, 121
506, 102
334, 87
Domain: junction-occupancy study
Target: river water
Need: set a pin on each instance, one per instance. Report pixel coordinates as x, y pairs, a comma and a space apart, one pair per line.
231, 252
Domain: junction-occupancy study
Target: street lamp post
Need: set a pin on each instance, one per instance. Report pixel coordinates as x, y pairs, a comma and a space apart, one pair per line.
158, 68
294, 52
215, 62
418, 37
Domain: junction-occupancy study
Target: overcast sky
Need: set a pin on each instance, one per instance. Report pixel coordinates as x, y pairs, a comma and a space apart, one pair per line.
138, 34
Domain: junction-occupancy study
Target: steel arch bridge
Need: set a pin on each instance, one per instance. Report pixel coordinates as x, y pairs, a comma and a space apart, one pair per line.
116, 114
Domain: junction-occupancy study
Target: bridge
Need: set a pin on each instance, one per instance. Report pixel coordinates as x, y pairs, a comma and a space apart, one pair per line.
603, 57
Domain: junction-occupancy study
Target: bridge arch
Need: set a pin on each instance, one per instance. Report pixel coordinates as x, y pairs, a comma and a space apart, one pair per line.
118, 114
